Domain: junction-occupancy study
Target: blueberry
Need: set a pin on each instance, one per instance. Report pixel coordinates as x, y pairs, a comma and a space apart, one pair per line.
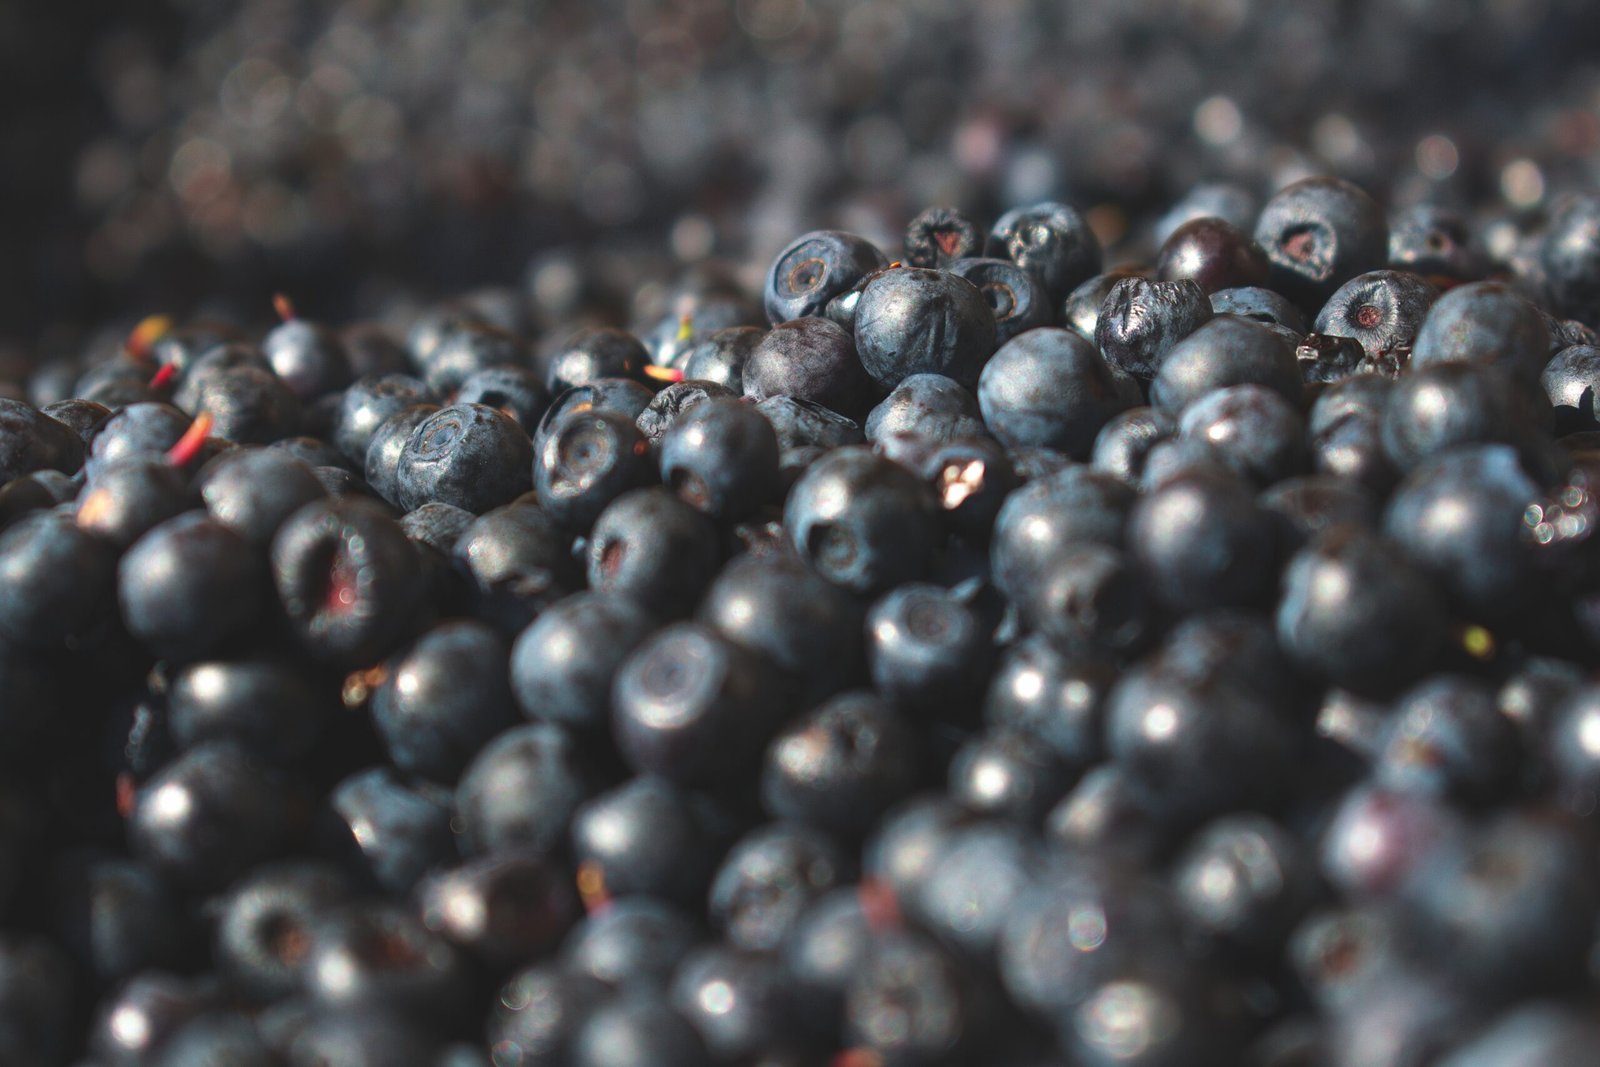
1046, 515
862, 521
1345, 429
1317, 234
769, 878
912, 1002
1459, 517
347, 578
1123, 444
632, 944
538, 1013
1513, 900
1382, 309
466, 350
388, 444
807, 628
143, 1014
1213, 253
939, 236
189, 586
1110, 813
1571, 380
216, 1037
520, 790
515, 392
1253, 429
672, 404
1447, 405
363, 1036
921, 401
587, 460
269, 704
741, 1003
469, 455
928, 648
136, 430
1326, 359
1447, 738
1050, 388
1357, 615
1050, 240
382, 956
308, 357
519, 561
264, 923
373, 350
1225, 351
249, 405
653, 549
1539, 1032
212, 813
1080, 311
1244, 881
253, 490
442, 698
436, 525
387, 832
1485, 323
692, 706
1567, 256
810, 359
367, 404
1375, 840
1262, 305
645, 837
636, 1031
1204, 542
1091, 602
971, 479
502, 909
1007, 775
722, 458
721, 355
1186, 734
60, 584
1057, 698
116, 916
815, 268
1141, 320
1014, 294
83, 417
841, 765
563, 664
1434, 241
592, 354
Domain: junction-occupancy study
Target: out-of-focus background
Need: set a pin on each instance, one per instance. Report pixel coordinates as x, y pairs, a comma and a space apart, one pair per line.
194, 156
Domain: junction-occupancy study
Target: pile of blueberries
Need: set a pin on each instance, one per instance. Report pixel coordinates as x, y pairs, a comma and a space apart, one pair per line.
981, 657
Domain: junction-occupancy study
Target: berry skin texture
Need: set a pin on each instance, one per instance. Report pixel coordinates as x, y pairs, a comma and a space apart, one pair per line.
1141, 320
1318, 233
722, 459
1570, 256
1572, 382
1049, 388
346, 575
864, 522
468, 455
1225, 351
815, 268
190, 585
1383, 310
1015, 296
443, 698
1357, 615
1052, 241
1485, 323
